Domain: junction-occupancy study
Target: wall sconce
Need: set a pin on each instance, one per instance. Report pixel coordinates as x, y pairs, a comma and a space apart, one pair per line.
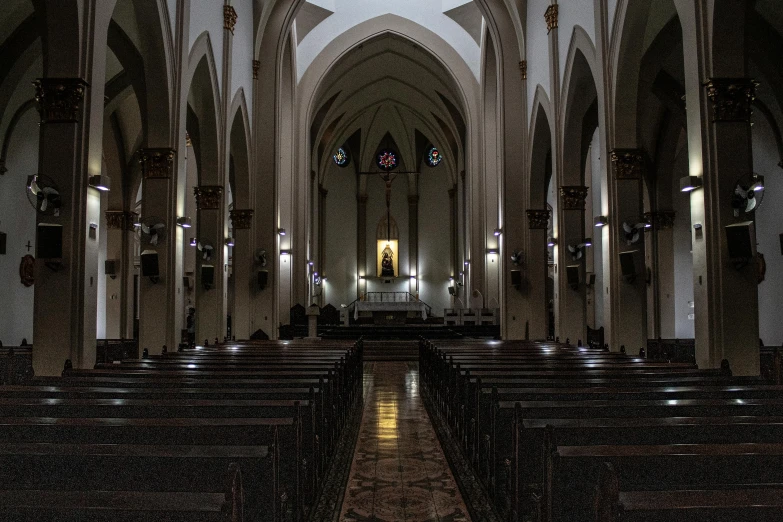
600, 221
100, 182
310, 263
552, 241
285, 252
689, 183
467, 263
230, 241
588, 242
184, 222
361, 278
281, 231
498, 232
413, 278
492, 251
193, 241
323, 279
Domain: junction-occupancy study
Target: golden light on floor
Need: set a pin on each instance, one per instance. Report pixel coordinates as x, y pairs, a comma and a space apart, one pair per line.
387, 415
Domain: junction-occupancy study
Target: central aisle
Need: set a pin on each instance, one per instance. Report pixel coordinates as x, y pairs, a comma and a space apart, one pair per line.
399, 471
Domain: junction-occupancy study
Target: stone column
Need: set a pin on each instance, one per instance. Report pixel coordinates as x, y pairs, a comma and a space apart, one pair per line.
156, 316
119, 288
245, 276
209, 298
534, 272
61, 284
570, 298
413, 241
361, 244
322, 193
661, 306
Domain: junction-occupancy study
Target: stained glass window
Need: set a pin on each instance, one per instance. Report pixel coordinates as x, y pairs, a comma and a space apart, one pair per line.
434, 157
340, 157
387, 160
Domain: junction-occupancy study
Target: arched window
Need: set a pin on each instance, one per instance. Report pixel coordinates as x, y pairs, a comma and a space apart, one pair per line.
387, 160
434, 157
341, 158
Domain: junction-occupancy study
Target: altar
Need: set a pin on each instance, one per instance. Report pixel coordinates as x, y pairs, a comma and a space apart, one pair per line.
390, 307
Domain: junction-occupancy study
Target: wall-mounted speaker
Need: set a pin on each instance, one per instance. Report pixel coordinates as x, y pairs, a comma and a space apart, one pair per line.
516, 278
263, 277
3, 238
628, 265
207, 276
590, 279
741, 241
781, 244
149, 264
451, 290
110, 268
572, 276
186, 282
49, 244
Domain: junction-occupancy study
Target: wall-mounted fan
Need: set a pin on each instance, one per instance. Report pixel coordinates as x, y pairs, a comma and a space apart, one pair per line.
633, 232
207, 249
260, 257
43, 194
748, 194
516, 257
152, 231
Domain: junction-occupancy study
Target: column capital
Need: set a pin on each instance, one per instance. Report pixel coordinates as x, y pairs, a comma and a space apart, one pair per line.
523, 69
660, 220
573, 197
256, 67
208, 197
229, 18
627, 163
241, 218
59, 99
550, 15
120, 220
731, 98
157, 163
538, 219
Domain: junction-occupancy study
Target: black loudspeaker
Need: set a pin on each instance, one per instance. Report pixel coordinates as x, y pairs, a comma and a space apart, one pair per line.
781, 244
3, 243
516, 278
572, 275
740, 238
110, 268
627, 264
149, 264
590, 279
186, 282
263, 277
451, 290
207, 276
49, 245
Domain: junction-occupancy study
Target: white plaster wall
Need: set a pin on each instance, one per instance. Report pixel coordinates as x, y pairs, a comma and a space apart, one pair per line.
172, 7
537, 51
17, 220
569, 16
207, 15
242, 51
340, 231
612, 8
769, 226
434, 247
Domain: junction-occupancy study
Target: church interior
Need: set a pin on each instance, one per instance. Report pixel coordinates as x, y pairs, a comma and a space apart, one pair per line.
410, 260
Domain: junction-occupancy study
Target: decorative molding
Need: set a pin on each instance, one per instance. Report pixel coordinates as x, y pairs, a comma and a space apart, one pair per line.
731, 98
208, 197
538, 219
660, 220
256, 67
59, 99
157, 163
572, 197
120, 220
229, 18
241, 219
627, 163
523, 69
550, 15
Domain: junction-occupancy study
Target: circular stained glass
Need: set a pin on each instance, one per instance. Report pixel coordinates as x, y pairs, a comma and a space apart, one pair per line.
387, 160
340, 157
434, 157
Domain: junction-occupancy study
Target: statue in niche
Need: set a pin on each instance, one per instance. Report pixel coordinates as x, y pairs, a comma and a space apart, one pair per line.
387, 262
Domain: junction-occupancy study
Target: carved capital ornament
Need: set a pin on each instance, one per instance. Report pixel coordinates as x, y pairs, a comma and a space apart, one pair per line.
572, 197
627, 163
208, 197
241, 219
523, 69
731, 98
59, 99
550, 15
120, 220
229, 18
538, 219
660, 220
157, 163
256, 67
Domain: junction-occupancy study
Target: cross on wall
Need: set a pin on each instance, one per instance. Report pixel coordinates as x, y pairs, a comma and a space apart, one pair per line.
28, 245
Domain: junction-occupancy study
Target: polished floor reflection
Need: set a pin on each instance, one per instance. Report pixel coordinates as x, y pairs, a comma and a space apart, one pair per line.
399, 472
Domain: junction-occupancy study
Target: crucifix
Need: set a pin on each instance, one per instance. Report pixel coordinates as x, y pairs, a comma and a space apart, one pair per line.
28, 245
388, 178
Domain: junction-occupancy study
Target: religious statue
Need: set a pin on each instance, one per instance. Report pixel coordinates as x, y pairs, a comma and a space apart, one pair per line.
387, 262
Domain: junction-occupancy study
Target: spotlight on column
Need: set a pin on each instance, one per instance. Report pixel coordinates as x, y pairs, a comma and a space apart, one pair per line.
281, 231
492, 251
230, 241
588, 242
498, 232
193, 241
758, 183
184, 222
689, 183
100, 182
600, 221
552, 241
285, 252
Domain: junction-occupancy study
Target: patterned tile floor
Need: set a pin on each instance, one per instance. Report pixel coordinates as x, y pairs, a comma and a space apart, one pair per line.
399, 472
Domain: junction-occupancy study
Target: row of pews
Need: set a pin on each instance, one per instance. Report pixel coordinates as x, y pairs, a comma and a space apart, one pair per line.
245, 432
558, 433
